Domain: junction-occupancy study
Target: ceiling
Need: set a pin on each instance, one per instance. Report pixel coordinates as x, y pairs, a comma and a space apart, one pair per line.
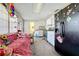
36, 11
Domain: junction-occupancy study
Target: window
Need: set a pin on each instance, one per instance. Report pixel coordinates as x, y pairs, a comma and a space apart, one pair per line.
13, 24
3, 20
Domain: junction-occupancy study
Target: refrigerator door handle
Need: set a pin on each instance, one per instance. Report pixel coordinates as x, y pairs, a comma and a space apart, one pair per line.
63, 28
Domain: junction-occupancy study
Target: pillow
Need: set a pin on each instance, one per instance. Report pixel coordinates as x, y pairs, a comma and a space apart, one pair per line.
4, 37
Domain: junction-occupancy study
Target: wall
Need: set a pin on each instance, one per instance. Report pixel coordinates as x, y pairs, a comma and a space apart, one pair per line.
26, 26
37, 24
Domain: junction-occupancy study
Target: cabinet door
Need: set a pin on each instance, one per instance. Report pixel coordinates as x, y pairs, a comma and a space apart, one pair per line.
51, 37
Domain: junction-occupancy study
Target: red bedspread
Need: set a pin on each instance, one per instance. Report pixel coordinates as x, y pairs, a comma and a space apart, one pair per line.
21, 46
12, 37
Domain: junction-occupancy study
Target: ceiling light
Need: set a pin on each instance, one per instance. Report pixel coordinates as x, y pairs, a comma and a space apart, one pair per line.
57, 14
75, 5
69, 11
68, 19
68, 7
38, 7
73, 12
64, 13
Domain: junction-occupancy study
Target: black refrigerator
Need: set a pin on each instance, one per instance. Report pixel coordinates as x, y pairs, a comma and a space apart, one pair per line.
67, 32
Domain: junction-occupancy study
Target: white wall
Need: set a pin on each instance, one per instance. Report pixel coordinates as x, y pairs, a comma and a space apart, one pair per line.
26, 26
37, 24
